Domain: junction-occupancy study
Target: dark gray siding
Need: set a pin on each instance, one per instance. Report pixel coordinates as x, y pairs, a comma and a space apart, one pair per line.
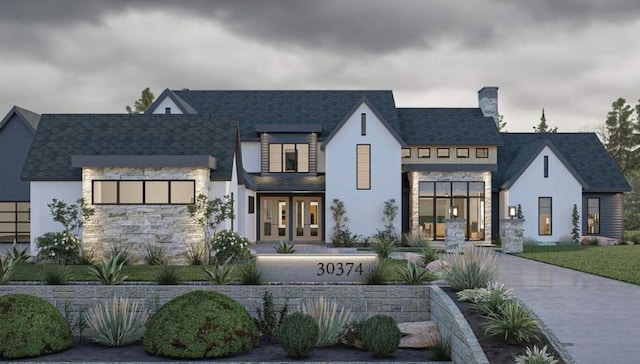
15, 141
495, 215
611, 220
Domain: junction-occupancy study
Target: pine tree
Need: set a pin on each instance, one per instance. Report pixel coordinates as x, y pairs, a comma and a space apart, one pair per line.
575, 218
542, 127
623, 139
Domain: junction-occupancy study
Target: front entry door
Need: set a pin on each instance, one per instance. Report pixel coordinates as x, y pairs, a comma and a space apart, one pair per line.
274, 218
307, 218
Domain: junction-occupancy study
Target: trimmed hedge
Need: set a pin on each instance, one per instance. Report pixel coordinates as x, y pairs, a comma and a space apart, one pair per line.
200, 324
31, 326
380, 335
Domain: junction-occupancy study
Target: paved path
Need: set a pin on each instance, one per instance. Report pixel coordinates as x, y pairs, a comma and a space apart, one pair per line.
597, 319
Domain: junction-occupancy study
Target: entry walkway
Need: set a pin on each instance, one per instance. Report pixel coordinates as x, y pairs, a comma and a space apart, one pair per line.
596, 319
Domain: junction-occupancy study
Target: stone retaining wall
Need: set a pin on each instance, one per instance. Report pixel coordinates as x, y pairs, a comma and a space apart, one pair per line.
452, 324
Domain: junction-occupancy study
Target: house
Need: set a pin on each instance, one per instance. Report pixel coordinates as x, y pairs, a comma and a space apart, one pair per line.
16, 132
285, 156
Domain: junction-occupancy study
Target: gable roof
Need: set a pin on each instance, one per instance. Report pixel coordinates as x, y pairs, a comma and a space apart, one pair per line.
29, 118
582, 153
327, 108
184, 107
61, 136
447, 126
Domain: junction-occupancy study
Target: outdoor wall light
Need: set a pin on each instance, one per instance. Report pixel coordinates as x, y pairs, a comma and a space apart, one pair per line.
512, 211
454, 211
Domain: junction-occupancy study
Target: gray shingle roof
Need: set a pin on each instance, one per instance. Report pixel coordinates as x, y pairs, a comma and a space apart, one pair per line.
582, 151
447, 126
285, 183
61, 136
327, 108
30, 118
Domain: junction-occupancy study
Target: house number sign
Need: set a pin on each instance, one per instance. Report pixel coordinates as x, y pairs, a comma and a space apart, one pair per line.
315, 268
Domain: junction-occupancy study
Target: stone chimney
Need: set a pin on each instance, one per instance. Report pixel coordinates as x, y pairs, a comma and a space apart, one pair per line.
488, 101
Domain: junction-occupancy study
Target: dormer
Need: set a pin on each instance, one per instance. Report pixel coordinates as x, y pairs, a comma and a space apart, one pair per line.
288, 148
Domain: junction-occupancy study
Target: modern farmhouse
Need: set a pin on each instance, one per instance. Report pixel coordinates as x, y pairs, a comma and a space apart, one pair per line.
284, 156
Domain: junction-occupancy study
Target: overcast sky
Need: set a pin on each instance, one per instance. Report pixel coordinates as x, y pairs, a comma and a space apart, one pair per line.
571, 57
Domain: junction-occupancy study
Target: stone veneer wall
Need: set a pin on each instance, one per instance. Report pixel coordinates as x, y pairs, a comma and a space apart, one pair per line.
454, 234
135, 226
512, 235
452, 324
437, 176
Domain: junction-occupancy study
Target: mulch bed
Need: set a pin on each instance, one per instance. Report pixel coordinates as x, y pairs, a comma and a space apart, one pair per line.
496, 350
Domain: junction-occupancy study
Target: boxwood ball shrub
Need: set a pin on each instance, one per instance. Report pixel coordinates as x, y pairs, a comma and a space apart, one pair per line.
31, 326
380, 335
298, 334
200, 324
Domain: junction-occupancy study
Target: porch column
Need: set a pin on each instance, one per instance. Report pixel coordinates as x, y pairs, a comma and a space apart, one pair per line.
454, 238
512, 235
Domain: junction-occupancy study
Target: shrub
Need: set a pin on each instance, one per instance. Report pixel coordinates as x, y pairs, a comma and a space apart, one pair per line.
416, 238
351, 335
632, 236
493, 304
380, 334
200, 324
156, 255
168, 276
345, 238
513, 324
87, 256
229, 244
30, 327
536, 355
108, 273
56, 274
298, 335
195, 254
60, 247
383, 246
441, 351
251, 275
412, 274
220, 273
377, 274
116, 322
474, 268
285, 248
330, 321
481, 295
122, 250
7, 268
428, 255
268, 321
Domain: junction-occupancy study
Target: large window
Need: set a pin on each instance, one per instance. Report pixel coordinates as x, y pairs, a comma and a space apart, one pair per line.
144, 192
289, 158
363, 166
14, 222
439, 200
544, 215
593, 216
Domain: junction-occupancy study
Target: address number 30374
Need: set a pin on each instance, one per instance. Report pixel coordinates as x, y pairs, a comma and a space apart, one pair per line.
339, 269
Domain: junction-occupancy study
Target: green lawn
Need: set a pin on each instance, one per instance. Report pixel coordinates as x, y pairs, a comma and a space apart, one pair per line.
621, 262
148, 273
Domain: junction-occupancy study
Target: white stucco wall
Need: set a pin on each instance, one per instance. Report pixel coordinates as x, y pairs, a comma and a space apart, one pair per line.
251, 156
561, 186
167, 102
364, 207
222, 188
42, 193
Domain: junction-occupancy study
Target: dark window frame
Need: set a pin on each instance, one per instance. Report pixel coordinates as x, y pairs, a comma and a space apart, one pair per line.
448, 155
144, 191
458, 150
15, 232
358, 169
596, 230
546, 166
540, 226
485, 150
427, 155
408, 155
283, 160
252, 205
363, 124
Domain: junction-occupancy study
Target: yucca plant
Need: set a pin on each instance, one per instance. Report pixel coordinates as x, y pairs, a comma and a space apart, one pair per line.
428, 255
195, 253
124, 251
251, 275
416, 238
168, 276
536, 355
383, 246
109, 272
56, 274
331, 321
220, 273
514, 324
156, 255
377, 274
116, 322
474, 268
285, 248
412, 274
441, 351
17, 255
87, 256
7, 268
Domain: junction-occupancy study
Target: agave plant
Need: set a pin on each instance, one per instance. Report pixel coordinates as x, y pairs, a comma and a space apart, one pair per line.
412, 274
220, 273
285, 248
330, 321
109, 272
536, 355
17, 255
7, 267
116, 322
